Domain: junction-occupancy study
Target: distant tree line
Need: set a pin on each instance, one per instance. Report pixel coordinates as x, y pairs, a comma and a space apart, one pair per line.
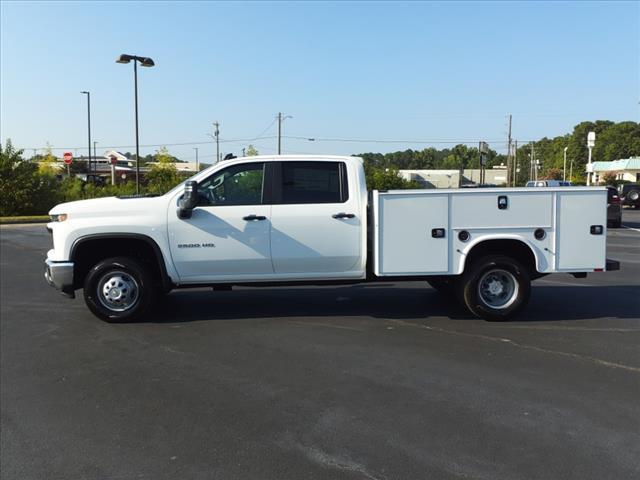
613, 141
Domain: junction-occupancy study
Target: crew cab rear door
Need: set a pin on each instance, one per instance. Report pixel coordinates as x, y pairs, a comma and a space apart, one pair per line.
315, 220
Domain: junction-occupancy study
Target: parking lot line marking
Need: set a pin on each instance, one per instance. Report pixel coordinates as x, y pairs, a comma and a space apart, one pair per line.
631, 228
579, 329
329, 325
584, 358
559, 282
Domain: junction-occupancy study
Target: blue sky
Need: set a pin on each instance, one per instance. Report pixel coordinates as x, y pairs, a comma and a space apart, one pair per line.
431, 72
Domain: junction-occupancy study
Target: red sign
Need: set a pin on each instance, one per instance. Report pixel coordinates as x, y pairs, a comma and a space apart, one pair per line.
114, 159
68, 158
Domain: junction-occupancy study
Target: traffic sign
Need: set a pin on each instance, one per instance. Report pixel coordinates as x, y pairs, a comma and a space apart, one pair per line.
113, 159
68, 158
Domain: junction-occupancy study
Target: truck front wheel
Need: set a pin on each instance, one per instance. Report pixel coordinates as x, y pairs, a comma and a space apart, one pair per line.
118, 289
495, 288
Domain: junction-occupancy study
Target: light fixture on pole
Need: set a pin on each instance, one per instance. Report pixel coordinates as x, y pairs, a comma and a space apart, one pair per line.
591, 142
88, 94
144, 62
564, 168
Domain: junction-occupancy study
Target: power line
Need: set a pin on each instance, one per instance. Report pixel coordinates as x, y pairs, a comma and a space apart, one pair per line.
293, 137
268, 127
371, 140
149, 145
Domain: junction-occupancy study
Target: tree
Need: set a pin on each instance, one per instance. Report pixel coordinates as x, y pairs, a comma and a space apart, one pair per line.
48, 165
23, 190
251, 151
163, 176
552, 174
609, 178
386, 179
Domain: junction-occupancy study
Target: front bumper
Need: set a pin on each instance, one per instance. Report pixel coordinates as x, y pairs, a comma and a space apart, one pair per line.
60, 276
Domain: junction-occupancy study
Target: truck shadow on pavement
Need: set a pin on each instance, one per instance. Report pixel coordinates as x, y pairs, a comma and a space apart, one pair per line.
548, 303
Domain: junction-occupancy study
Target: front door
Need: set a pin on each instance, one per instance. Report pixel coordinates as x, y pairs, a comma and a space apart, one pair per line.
227, 236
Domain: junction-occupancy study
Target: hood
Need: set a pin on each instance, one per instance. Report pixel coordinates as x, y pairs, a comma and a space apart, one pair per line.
106, 206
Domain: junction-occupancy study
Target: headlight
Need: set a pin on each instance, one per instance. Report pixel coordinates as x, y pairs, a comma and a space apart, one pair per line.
61, 217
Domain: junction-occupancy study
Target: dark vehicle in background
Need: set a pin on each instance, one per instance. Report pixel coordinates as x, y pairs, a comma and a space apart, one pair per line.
614, 208
630, 195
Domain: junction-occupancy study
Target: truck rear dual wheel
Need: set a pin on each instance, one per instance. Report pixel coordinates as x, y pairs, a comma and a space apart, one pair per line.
495, 288
119, 290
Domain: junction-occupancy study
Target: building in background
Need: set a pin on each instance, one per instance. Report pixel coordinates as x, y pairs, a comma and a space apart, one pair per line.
625, 169
454, 179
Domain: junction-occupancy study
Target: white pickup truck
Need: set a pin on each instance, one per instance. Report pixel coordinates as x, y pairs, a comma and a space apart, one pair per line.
278, 220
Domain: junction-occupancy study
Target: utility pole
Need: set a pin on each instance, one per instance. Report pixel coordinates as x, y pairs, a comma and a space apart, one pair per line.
515, 164
509, 160
197, 164
279, 132
532, 162
216, 134
281, 119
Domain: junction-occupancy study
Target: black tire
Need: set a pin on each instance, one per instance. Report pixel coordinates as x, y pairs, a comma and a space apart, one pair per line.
616, 224
509, 277
444, 285
133, 287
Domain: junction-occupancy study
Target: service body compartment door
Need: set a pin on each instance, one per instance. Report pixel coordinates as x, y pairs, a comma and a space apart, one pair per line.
408, 234
579, 249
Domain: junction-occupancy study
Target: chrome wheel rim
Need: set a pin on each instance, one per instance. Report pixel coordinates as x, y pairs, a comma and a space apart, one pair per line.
118, 291
498, 289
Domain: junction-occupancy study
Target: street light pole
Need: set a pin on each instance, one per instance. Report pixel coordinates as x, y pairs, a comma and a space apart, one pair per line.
88, 94
197, 164
95, 158
145, 62
564, 168
135, 81
591, 141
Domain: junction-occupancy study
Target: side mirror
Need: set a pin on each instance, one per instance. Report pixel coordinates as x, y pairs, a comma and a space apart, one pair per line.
189, 200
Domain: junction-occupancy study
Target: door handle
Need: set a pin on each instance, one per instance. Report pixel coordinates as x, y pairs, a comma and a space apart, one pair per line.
343, 215
253, 218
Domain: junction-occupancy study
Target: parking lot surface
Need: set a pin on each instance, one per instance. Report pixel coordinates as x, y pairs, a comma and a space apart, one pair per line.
375, 381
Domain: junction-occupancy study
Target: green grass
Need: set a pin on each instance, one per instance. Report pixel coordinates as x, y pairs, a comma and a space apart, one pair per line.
25, 219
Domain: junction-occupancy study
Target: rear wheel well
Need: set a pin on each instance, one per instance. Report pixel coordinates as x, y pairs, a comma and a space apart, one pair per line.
88, 252
515, 249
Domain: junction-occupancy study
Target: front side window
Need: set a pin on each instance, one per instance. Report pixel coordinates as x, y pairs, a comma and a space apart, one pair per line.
237, 185
314, 182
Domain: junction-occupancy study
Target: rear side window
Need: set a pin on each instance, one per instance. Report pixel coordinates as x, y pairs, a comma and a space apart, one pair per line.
313, 182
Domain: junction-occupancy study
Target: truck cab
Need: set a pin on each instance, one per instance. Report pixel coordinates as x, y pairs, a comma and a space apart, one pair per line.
269, 219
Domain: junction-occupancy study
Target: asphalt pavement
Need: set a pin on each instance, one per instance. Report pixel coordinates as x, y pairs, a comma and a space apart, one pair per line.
375, 381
